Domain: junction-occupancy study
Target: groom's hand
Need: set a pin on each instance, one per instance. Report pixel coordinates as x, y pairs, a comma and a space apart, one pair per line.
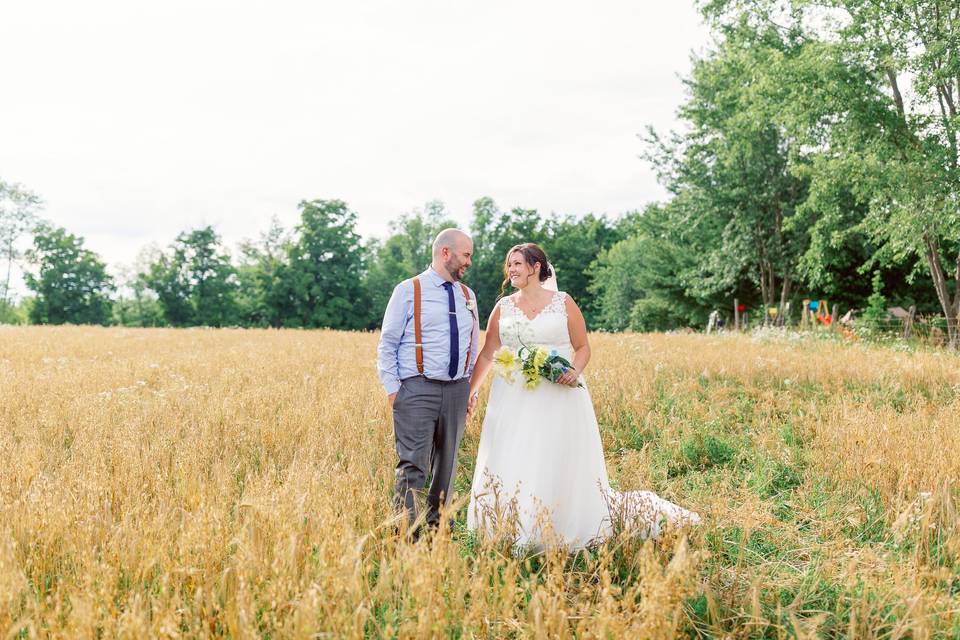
390, 398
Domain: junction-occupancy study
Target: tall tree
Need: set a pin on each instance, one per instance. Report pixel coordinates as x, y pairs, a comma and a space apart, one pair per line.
71, 283
263, 295
195, 282
135, 304
326, 268
914, 207
18, 208
738, 167
896, 151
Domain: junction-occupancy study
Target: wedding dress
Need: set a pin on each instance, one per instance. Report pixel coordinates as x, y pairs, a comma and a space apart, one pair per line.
540, 466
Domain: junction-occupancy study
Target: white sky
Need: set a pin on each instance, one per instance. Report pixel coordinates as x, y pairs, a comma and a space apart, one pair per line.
135, 121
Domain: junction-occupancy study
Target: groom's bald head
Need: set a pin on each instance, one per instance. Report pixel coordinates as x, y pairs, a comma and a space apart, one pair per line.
452, 253
449, 238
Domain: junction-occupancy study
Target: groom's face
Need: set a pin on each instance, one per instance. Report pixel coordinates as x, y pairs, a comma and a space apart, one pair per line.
457, 259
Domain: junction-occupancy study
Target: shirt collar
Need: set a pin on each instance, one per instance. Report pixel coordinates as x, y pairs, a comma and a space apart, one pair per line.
435, 277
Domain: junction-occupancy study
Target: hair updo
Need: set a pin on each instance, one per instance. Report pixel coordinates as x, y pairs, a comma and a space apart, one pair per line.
532, 254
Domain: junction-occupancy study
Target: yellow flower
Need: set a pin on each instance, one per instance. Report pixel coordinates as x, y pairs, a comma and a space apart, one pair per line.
531, 378
505, 362
539, 358
505, 357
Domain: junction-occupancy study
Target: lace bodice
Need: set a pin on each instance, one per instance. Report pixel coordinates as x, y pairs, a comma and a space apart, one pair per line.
547, 329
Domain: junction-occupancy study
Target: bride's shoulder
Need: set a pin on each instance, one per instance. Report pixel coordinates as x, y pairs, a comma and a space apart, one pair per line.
557, 303
565, 300
503, 305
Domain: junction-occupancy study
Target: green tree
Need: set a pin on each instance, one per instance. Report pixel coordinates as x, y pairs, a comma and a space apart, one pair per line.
18, 313
738, 170
912, 175
326, 267
573, 244
897, 154
135, 304
195, 282
875, 315
18, 208
651, 281
264, 294
71, 283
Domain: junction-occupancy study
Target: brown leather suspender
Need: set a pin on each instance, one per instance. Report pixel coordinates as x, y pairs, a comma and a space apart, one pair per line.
466, 294
418, 333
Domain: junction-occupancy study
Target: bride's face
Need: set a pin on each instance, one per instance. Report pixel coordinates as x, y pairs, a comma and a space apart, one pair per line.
519, 272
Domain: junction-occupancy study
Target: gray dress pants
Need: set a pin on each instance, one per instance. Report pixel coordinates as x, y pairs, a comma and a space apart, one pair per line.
428, 422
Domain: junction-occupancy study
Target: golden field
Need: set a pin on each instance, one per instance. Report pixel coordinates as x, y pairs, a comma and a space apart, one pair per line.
236, 483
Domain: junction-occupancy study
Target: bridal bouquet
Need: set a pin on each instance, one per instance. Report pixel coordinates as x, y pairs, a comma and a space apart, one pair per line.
535, 363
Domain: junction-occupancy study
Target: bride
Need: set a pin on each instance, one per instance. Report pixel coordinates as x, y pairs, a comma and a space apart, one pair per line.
540, 469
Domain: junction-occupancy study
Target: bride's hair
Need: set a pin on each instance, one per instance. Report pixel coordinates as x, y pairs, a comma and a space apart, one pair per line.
532, 254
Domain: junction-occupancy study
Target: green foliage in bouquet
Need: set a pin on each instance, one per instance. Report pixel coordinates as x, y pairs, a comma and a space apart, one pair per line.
535, 363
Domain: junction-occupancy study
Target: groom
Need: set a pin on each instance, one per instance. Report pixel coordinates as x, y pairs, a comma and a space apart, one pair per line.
425, 357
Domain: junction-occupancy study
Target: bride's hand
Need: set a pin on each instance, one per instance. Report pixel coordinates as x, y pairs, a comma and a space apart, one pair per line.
472, 404
569, 377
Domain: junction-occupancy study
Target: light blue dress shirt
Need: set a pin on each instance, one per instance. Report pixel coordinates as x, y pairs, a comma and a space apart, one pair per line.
396, 353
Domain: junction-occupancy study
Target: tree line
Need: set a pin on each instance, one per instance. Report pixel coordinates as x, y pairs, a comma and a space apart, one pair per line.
319, 273
818, 158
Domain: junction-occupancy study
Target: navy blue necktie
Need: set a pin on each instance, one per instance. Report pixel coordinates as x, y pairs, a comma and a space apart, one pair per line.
454, 332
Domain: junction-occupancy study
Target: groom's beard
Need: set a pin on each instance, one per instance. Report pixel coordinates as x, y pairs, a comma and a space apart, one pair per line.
455, 269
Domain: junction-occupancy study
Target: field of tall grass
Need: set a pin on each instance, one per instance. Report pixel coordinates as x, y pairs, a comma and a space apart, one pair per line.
236, 483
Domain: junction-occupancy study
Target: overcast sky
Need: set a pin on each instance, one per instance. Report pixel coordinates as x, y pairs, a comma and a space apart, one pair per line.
135, 121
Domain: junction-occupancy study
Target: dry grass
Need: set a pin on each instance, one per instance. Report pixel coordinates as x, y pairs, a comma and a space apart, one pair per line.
236, 483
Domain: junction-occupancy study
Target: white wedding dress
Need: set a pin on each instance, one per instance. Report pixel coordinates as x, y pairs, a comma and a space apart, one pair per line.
540, 470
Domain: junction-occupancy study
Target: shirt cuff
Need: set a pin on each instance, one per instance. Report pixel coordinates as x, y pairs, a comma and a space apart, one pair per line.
391, 387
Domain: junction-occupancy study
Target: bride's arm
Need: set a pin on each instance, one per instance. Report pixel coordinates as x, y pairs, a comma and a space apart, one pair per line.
577, 327
491, 343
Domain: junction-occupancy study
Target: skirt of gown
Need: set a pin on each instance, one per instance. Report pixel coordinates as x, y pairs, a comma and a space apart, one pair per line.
540, 472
